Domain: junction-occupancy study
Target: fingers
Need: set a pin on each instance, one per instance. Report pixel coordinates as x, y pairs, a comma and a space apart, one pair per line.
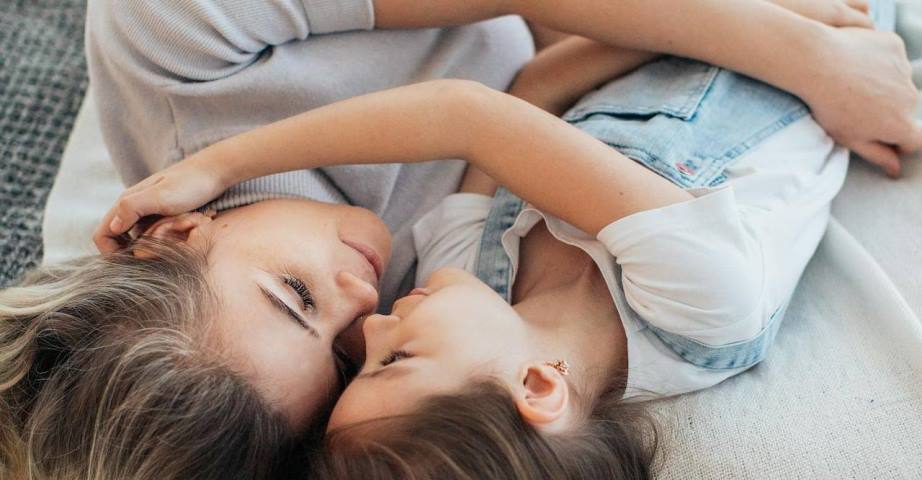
104, 241
131, 207
884, 156
853, 17
914, 143
860, 5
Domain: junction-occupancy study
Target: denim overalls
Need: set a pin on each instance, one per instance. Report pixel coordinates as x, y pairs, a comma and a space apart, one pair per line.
686, 121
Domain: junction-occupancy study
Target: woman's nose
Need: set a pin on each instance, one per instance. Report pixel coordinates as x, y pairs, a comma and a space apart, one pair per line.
362, 296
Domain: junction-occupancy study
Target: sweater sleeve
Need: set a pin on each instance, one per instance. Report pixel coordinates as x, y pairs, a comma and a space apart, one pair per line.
203, 40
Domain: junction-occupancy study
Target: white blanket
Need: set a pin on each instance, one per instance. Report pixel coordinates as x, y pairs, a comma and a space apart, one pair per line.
840, 395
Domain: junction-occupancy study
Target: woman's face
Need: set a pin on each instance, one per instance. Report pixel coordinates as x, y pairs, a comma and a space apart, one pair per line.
292, 276
434, 341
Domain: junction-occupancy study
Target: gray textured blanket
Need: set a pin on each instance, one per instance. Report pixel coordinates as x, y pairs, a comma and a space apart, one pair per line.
42, 82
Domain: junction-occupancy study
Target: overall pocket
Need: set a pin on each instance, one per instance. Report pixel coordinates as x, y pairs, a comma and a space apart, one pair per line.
684, 119
671, 86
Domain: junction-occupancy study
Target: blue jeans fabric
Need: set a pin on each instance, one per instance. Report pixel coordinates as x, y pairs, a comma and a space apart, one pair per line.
683, 119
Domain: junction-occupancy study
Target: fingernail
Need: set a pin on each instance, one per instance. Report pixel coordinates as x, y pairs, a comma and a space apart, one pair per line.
116, 225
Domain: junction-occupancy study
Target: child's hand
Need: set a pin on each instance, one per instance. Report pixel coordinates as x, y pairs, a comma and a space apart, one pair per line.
835, 13
177, 189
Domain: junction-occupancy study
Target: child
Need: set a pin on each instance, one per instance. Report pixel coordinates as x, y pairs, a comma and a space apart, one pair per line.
529, 378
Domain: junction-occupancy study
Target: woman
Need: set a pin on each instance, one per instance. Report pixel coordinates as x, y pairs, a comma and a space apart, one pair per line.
266, 364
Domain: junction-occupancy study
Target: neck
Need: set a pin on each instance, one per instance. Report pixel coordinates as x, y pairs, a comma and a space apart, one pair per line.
571, 321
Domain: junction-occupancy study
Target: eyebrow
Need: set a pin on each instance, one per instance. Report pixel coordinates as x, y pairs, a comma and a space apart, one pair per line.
283, 307
386, 372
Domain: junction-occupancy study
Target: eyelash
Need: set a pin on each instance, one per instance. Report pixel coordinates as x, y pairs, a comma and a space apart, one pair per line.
307, 300
394, 356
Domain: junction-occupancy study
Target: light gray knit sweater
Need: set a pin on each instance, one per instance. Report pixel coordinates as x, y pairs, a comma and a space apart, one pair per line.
173, 76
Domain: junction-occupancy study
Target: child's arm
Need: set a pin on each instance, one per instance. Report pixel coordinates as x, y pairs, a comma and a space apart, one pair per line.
566, 71
545, 37
556, 78
536, 155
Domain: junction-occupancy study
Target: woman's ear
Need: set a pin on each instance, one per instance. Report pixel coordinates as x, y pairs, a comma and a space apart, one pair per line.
543, 397
178, 228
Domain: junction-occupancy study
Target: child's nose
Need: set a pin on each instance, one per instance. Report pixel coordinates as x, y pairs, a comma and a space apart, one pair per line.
376, 326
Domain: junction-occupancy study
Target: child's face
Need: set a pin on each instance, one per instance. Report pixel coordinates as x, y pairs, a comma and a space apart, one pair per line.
433, 342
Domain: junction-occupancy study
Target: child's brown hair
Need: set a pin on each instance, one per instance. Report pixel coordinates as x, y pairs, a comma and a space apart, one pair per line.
480, 435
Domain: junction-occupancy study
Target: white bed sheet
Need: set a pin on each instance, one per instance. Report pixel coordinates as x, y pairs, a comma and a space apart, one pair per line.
840, 395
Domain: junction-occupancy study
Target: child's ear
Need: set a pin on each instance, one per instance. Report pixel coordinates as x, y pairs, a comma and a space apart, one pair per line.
543, 397
178, 228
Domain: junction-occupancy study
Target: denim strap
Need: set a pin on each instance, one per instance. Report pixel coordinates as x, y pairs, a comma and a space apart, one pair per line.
741, 354
494, 267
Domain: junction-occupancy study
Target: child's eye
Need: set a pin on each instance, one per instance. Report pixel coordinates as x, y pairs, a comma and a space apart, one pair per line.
394, 356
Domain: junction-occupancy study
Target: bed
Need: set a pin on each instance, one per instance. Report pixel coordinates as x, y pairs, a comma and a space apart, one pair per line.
840, 394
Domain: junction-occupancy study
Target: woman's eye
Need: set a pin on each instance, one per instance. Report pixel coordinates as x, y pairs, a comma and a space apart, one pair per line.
307, 300
394, 356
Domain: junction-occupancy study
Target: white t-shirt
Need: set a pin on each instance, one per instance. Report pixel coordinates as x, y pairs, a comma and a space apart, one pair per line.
713, 269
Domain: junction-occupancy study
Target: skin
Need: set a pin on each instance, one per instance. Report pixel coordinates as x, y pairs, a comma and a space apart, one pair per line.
252, 249
456, 328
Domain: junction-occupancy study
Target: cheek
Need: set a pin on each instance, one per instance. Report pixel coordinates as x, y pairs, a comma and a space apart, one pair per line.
293, 370
360, 403
303, 391
472, 350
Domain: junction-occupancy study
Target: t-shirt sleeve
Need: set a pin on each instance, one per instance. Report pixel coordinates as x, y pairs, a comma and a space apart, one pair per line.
692, 269
203, 40
449, 235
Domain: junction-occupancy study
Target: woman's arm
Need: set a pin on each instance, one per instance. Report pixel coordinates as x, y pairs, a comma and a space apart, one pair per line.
856, 82
568, 67
536, 155
754, 37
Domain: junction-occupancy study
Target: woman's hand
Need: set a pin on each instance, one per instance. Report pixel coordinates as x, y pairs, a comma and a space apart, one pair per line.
178, 189
863, 95
835, 13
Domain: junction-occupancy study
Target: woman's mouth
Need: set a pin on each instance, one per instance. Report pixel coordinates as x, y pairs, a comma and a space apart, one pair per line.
374, 259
